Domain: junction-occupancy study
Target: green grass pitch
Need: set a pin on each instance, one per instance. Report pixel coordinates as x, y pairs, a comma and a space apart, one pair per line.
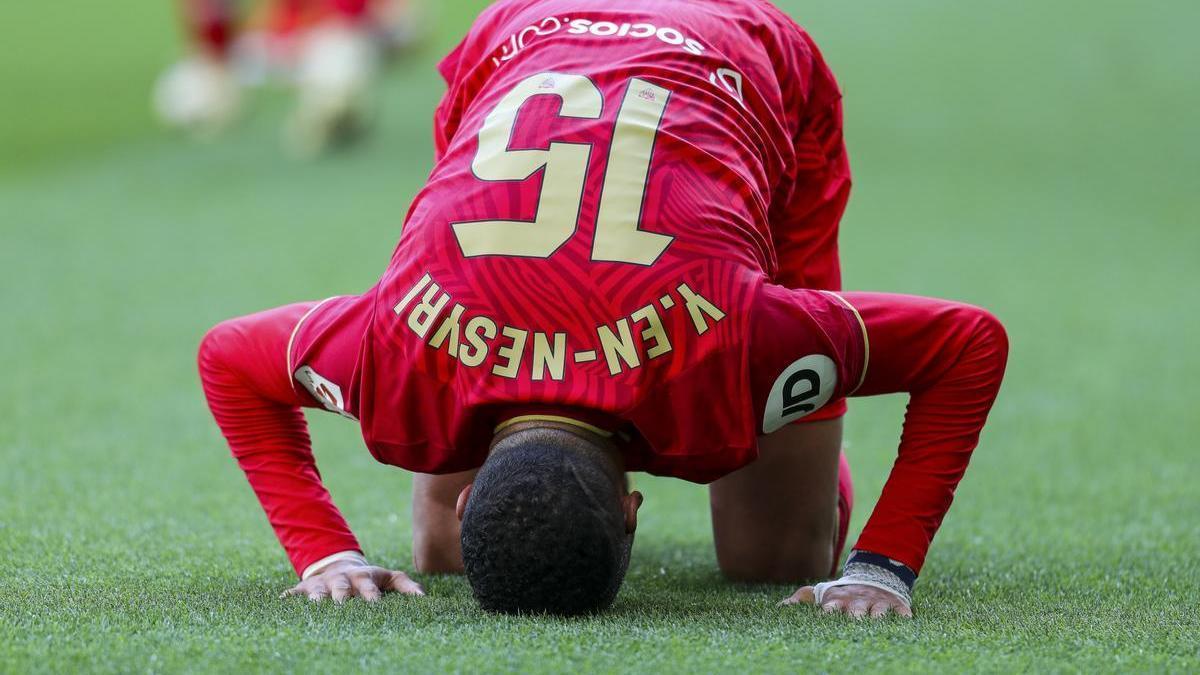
1038, 158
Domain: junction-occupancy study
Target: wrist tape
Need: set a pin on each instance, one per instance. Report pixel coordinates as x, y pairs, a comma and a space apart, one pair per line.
871, 569
319, 566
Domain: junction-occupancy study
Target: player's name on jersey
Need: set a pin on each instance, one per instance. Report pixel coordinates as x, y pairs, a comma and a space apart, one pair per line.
622, 345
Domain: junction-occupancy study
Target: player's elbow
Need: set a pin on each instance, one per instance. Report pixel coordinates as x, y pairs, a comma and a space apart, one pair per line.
988, 339
990, 330
216, 346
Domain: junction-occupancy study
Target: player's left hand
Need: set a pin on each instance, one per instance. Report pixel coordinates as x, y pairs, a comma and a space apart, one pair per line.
352, 579
853, 600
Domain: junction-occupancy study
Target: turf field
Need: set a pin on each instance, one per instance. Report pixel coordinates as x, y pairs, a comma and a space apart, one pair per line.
1033, 157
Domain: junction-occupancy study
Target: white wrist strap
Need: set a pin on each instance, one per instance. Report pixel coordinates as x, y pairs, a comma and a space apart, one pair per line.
320, 565
819, 589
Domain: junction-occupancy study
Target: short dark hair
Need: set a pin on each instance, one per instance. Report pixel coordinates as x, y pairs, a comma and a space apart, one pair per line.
544, 531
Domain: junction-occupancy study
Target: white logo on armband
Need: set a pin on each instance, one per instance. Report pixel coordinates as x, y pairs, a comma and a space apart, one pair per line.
801, 389
328, 393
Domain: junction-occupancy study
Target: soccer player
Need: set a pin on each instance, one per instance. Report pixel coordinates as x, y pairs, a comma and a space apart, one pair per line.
329, 49
606, 272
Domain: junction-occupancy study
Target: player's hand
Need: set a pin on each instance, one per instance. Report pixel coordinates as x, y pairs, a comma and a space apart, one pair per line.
353, 579
853, 600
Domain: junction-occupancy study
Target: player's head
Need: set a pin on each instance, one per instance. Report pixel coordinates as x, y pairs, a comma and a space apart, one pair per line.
547, 526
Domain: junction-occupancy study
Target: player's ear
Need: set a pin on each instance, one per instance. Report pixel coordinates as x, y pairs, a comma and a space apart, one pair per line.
461, 506
630, 504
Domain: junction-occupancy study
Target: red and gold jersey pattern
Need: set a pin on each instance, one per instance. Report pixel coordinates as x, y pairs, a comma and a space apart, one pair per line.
595, 242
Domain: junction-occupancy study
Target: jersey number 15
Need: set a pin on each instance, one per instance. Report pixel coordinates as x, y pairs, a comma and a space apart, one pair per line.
618, 237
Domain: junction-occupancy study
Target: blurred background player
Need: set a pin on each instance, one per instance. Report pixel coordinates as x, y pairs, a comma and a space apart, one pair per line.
330, 51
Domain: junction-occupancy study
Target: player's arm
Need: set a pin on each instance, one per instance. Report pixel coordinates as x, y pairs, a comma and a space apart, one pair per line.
805, 229
811, 199
243, 368
950, 358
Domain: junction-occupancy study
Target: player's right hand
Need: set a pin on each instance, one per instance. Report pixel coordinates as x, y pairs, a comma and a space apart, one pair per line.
353, 579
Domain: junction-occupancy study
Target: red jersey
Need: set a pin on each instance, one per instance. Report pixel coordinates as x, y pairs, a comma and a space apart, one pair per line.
624, 194
595, 242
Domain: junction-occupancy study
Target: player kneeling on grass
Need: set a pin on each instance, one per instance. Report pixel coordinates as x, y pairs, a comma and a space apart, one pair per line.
595, 280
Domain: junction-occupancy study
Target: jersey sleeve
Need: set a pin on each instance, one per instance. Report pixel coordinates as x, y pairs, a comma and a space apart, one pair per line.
463, 70
448, 113
245, 374
807, 210
807, 349
950, 358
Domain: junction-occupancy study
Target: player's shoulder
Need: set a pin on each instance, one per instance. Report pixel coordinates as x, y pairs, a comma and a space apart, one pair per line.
324, 348
500, 18
781, 25
806, 348
773, 39
486, 32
